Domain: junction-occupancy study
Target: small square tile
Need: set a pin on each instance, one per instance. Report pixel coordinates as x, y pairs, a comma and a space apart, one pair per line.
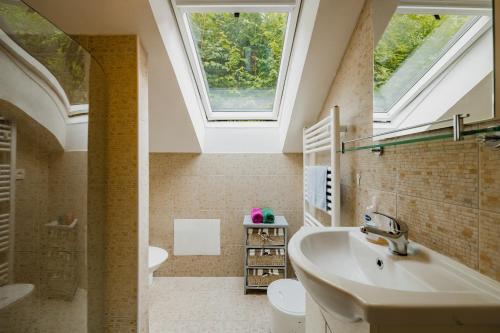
201, 304
489, 245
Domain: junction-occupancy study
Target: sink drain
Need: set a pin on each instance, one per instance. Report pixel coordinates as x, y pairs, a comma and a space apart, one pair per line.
380, 263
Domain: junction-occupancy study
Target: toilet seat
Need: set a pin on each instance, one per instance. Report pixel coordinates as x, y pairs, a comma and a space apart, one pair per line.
288, 296
13, 293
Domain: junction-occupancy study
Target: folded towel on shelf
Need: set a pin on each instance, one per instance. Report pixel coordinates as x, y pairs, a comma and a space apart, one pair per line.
316, 186
268, 215
257, 216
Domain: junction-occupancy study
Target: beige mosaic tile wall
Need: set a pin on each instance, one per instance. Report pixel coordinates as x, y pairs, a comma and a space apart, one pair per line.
447, 192
32, 202
96, 200
114, 179
67, 190
223, 186
54, 184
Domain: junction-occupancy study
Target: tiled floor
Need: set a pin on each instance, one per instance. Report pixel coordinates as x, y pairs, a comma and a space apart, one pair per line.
206, 304
58, 316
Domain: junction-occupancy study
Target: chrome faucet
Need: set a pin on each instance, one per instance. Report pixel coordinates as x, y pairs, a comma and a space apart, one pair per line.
396, 236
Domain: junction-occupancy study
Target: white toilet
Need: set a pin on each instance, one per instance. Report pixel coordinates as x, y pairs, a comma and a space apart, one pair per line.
288, 301
16, 307
157, 256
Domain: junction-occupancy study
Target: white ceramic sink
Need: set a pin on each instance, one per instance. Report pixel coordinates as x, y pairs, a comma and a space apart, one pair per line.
342, 272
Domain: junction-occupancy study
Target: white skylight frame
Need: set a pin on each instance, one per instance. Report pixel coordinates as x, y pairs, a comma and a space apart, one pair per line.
463, 42
183, 7
78, 110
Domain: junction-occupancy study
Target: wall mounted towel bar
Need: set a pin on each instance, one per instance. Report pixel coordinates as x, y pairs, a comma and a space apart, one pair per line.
458, 124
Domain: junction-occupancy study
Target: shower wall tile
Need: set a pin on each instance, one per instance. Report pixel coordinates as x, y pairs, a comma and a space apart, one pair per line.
26, 267
489, 176
210, 192
231, 228
212, 165
68, 195
188, 213
241, 192
184, 164
26, 229
48, 183
295, 219
348, 205
377, 172
162, 231
489, 246
244, 164
222, 186
233, 260
348, 171
96, 227
186, 192
32, 155
163, 198
287, 164
118, 119
448, 229
352, 87
440, 171
385, 202
448, 192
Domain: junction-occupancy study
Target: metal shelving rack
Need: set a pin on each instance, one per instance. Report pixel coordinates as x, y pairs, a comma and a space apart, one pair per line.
60, 258
279, 222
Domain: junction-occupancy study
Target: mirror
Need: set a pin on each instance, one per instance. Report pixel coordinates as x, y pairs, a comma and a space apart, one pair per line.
432, 60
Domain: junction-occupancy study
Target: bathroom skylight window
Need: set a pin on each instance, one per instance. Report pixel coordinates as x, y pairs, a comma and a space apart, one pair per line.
66, 60
239, 57
413, 50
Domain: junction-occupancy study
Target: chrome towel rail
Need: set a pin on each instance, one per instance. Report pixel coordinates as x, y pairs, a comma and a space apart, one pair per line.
458, 124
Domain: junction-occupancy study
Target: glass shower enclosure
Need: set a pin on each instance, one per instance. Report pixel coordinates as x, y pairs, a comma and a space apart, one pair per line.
44, 115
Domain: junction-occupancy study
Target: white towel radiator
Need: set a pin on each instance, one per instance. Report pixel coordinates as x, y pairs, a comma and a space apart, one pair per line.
324, 138
7, 207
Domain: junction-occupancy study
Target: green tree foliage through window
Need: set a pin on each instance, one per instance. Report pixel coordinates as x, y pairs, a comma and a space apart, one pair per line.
410, 46
240, 56
404, 34
62, 56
